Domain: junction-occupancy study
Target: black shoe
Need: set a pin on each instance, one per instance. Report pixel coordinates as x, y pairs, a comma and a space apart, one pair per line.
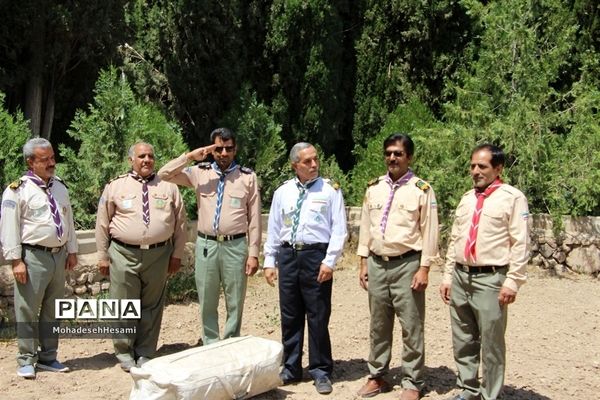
323, 385
287, 380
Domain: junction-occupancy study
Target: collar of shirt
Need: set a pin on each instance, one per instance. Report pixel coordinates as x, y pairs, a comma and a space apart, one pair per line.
217, 169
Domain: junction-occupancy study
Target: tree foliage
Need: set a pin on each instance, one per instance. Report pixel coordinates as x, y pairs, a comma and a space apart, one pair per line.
406, 49
104, 132
15, 133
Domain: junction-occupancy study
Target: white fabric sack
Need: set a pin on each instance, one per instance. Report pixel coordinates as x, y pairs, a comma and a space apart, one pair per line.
235, 368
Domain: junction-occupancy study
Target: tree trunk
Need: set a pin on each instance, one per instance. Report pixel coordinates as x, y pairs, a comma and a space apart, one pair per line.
35, 83
49, 112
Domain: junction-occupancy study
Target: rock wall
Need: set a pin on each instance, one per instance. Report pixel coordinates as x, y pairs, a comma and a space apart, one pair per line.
576, 248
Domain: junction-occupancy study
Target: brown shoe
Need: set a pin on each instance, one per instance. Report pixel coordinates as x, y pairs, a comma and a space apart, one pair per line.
373, 387
409, 394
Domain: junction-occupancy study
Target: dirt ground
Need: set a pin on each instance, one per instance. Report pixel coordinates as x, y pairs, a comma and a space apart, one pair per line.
553, 342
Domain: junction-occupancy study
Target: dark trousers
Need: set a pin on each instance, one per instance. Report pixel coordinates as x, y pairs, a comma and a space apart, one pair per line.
301, 295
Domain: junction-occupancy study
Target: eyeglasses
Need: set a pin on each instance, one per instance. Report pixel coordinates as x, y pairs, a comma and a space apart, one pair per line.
228, 149
397, 153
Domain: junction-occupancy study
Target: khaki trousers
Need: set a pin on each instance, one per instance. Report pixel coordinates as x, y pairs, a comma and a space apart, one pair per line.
390, 295
139, 274
34, 305
221, 265
478, 326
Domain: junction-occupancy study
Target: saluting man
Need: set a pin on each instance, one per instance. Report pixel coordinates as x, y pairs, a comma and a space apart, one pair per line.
140, 237
229, 229
38, 237
398, 240
485, 267
306, 235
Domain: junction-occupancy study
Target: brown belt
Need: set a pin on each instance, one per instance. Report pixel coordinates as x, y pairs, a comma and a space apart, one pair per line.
141, 246
409, 253
43, 248
481, 269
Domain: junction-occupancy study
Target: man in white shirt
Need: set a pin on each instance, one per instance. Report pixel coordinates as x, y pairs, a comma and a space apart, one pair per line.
306, 235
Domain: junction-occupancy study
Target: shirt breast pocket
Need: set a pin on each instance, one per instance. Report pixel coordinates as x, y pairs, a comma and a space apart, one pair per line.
38, 209
127, 202
318, 211
161, 201
409, 213
495, 218
237, 199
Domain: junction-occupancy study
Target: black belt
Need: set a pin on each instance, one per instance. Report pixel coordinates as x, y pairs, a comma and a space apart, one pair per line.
44, 248
221, 238
299, 246
478, 270
141, 246
395, 258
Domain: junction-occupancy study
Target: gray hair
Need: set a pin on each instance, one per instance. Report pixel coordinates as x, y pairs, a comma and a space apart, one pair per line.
296, 149
32, 144
131, 151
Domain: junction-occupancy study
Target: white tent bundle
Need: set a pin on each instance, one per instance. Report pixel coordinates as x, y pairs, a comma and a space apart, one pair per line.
236, 368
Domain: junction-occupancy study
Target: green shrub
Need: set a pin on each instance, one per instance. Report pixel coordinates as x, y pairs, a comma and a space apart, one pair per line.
104, 132
15, 132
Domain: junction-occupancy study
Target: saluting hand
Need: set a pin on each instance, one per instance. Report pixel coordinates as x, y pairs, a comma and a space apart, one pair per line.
325, 273
200, 153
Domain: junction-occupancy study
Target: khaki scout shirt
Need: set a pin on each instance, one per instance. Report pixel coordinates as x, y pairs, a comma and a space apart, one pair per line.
502, 236
412, 221
240, 212
120, 215
26, 218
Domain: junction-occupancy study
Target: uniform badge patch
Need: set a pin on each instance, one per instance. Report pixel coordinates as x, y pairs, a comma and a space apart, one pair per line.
235, 202
525, 215
421, 184
15, 185
127, 203
9, 204
159, 203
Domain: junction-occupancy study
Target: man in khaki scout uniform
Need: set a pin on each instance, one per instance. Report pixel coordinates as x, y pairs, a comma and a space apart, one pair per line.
397, 243
228, 228
140, 235
38, 237
486, 264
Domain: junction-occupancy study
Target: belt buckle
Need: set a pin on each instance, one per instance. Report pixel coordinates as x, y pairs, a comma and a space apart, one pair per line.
144, 246
385, 258
220, 238
54, 249
298, 246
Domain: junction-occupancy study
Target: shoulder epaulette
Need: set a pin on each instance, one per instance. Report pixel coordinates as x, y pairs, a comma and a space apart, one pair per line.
246, 170
332, 183
118, 177
421, 184
373, 181
203, 165
15, 185
56, 178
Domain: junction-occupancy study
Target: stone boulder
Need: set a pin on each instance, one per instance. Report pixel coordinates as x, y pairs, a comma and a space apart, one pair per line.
585, 259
